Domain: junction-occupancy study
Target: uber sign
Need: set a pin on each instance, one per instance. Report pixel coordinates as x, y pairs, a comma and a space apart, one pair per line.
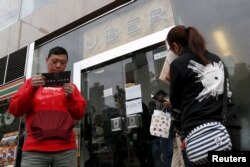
133, 26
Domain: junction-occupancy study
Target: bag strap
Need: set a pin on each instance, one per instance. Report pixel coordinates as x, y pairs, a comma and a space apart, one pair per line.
224, 111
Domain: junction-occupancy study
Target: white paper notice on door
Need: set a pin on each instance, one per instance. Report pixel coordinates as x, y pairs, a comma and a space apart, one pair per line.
107, 92
133, 92
134, 106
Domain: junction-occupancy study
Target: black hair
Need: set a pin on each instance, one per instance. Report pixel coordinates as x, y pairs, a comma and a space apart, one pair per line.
58, 50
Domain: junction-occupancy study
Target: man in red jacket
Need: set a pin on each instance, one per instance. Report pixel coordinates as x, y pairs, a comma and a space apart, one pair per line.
50, 115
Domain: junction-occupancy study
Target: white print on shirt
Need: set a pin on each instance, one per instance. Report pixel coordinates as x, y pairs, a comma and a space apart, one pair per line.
211, 76
48, 96
50, 92
53, 88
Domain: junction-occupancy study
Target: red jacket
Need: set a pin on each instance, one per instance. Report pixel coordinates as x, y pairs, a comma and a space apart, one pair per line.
50, 116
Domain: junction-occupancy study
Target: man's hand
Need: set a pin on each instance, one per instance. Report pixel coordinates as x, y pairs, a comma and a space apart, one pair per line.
38, 80
68, 88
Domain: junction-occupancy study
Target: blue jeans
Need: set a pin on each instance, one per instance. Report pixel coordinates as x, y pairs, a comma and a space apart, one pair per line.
162, 151
156, 152
166, 151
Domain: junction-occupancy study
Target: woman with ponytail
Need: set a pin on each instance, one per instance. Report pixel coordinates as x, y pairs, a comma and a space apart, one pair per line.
196, 89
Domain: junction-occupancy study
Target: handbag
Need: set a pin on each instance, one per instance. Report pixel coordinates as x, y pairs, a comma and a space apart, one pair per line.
211, 136
160, 124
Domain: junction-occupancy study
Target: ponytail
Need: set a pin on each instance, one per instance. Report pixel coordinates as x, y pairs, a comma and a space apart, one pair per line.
197, 44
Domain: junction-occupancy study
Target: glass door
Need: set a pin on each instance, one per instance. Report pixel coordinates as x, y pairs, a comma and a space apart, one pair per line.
116, 125
104, 121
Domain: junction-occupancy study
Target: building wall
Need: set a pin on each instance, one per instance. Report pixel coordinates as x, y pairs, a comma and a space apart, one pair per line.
25, 21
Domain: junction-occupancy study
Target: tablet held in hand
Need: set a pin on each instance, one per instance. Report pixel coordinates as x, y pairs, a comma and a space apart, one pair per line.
57, 79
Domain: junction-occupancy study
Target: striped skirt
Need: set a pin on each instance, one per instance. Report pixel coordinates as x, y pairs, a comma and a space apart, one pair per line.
212, 136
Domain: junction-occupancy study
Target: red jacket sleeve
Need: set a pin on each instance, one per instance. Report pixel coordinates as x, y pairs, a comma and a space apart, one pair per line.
22, 101
76, 104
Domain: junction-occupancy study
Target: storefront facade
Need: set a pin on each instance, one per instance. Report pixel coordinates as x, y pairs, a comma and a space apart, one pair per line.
125, 47
116, 60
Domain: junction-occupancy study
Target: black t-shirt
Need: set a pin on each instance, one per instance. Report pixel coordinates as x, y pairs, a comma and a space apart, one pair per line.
197, 90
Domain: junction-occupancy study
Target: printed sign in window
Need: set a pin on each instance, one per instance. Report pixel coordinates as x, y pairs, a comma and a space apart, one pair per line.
108, 92
133, 92
133, 107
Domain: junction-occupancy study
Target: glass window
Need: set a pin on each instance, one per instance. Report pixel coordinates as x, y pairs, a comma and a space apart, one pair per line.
225, 25
70, 42
120, 106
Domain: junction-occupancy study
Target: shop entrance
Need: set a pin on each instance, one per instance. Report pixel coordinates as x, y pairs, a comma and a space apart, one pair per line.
116, 126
